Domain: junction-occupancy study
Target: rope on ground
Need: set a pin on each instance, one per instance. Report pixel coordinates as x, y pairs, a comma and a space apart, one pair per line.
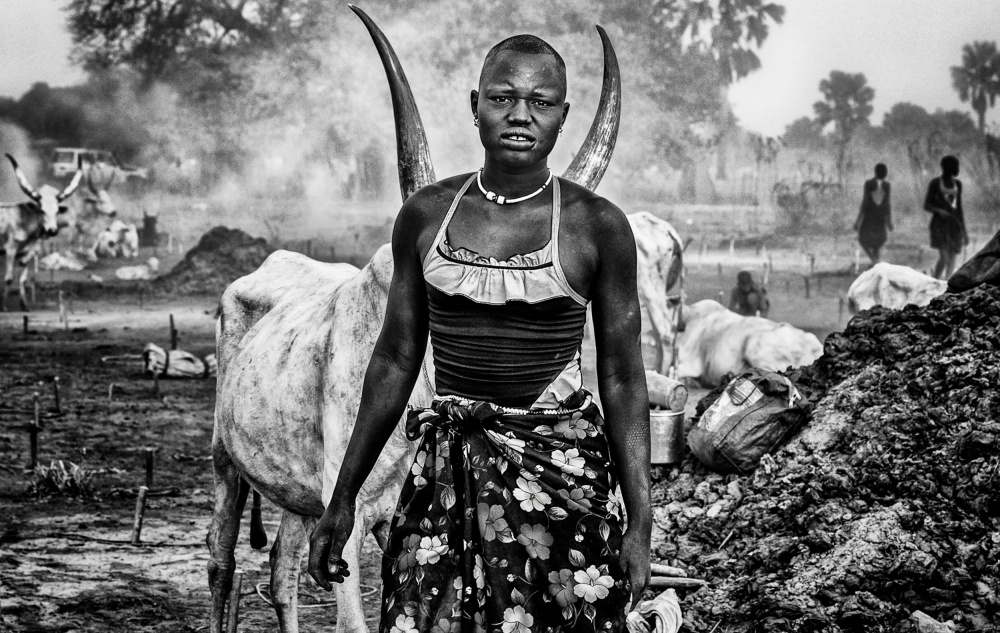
84, 537
366, 591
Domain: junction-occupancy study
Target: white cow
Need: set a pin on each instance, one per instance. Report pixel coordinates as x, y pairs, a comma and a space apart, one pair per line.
659, 266
318, 335
716, 341
892, 286
118, 240
23, 226
294, 340
89, 215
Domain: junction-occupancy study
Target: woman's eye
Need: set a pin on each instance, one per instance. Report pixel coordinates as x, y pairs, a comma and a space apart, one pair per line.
500, 99
542, 104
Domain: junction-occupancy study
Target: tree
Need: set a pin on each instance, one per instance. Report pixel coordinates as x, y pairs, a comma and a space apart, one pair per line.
977, 80
727, 30
159, 37
803, 133
847, 103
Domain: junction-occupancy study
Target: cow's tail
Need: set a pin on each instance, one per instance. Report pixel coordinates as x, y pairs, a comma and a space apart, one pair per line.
258, 537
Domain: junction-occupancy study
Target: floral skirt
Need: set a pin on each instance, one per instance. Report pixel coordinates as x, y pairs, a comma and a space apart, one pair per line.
507, 523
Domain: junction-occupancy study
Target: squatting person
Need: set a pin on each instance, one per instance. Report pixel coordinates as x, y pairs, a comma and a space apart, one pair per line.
748, 297
875, 216
947, 227
508, 518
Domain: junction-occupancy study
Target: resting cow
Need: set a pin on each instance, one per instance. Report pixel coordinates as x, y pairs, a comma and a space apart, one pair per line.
716, 341
294, 341
892, 286
23, 225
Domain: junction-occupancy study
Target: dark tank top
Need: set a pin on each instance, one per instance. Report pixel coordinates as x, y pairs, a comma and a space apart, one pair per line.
508, 332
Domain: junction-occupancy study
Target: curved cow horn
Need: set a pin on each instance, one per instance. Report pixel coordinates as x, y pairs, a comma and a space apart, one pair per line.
592, 160
73, 184
22, 180
412, 152
90, 179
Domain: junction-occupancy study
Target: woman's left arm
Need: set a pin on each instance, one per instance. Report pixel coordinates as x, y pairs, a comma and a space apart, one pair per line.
622, 384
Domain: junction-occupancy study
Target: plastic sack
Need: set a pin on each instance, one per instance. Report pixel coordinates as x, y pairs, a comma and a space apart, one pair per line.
659, 615
751, 417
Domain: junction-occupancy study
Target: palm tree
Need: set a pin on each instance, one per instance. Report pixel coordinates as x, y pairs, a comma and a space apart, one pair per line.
977, 80
847, 102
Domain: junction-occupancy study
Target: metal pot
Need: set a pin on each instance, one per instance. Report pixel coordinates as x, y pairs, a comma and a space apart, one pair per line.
666, 434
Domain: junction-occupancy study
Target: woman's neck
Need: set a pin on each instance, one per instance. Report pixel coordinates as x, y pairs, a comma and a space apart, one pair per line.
514, 182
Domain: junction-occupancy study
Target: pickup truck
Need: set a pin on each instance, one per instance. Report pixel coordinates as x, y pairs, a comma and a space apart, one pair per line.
64, 161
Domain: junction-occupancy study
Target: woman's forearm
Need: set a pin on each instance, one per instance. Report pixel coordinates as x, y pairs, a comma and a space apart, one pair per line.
387, 387
627, 413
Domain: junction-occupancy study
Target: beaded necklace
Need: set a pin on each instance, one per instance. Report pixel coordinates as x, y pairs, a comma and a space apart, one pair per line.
493, 197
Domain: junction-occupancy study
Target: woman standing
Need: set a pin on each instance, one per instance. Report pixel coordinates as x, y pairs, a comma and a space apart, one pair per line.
875, 216
947, 228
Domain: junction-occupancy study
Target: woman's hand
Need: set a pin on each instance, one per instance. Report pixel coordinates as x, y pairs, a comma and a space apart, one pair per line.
326, 545
634, 558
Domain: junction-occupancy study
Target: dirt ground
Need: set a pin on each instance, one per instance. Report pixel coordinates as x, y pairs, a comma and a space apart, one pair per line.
65, 564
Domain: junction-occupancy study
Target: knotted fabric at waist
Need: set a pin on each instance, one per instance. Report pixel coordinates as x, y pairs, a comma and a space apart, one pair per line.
463, 413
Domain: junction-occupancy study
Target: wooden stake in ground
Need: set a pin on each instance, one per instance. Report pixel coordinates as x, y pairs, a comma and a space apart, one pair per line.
807, 286
840, 310
140, 512
111, 392
33, 429
62, 311
233, 621
26, 324
156, 383
309, 248
55, 393
173, 333
149, 467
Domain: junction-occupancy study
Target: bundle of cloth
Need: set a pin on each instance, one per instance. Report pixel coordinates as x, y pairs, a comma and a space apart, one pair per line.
177, 363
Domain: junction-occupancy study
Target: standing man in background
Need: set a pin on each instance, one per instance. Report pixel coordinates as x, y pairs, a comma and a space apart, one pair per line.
875, 216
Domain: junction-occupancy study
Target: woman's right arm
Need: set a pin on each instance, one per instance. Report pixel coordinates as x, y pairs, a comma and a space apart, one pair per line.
929, 205
392, 372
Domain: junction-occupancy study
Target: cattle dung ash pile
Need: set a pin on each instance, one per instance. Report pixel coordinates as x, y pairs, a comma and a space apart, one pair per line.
887, 502
222, 256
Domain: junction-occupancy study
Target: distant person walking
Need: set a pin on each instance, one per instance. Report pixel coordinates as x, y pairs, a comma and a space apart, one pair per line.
748, 298
947, 228
875, 217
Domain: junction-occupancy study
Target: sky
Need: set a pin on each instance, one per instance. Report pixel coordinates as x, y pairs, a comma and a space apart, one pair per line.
904, 48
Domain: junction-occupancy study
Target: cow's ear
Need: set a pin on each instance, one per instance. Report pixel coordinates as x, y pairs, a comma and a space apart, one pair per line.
63, 209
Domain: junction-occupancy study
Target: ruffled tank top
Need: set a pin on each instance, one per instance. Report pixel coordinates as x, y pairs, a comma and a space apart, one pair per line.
508, 332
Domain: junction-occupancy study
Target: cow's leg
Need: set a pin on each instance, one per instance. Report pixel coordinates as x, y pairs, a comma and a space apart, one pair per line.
350, 614
230, 497
286, 559
8, 277
21, 281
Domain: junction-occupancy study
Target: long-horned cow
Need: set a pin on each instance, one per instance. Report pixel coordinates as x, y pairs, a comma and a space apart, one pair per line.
90, 215
294, 341
717, 341
23, 225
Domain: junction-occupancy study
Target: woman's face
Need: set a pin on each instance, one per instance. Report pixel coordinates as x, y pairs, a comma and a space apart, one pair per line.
521, 104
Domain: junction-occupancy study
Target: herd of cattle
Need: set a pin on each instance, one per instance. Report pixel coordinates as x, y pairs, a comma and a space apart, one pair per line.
92, 219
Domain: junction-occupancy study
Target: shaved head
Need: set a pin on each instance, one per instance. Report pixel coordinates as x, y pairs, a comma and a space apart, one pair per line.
528, 45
